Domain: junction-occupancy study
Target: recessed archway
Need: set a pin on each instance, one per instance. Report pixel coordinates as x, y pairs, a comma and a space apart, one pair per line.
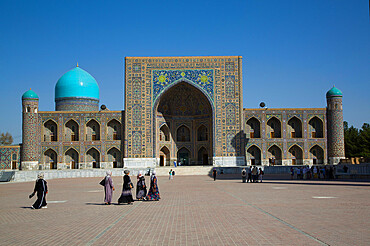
316, 128
295, 127
51, 158
71, 158
274, 155
253, 128
254, 155
50, 131
187, 113
296, 154
71, 131
183, 157
317, 154
164, 157
114, 156
93, 155
274, 127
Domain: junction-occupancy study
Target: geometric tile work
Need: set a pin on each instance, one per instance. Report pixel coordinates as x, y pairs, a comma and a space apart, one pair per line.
285, 142
9, 154
214, 76
335, 127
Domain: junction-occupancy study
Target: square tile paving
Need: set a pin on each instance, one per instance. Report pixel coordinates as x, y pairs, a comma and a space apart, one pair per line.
194, 210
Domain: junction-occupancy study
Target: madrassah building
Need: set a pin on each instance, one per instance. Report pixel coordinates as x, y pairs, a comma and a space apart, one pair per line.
187, 110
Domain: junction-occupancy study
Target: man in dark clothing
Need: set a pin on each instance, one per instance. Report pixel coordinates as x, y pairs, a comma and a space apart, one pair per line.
249, 175
41, 189
214, 174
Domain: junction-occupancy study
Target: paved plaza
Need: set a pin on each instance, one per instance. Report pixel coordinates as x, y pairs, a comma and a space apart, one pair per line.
194, 210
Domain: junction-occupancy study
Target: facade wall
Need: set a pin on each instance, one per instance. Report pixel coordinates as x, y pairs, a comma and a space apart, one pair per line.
10, 157
148, 78
84, 142
76, 104
287, 141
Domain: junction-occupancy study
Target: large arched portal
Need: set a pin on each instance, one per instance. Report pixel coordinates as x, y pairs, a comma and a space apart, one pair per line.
184, 109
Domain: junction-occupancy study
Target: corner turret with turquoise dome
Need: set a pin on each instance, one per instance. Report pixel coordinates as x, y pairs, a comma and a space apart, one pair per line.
77, 90
30, 94
334, 92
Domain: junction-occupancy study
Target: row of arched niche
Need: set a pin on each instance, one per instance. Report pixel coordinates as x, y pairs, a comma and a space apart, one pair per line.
71, 131
72, 157
183, 133
295, 153
294, 128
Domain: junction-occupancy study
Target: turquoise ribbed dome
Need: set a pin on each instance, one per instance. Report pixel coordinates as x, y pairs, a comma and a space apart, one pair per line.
334, 92
77, 83
30, 94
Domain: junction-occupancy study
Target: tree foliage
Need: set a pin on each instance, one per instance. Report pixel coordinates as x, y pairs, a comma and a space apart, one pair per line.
6, 139
357, 142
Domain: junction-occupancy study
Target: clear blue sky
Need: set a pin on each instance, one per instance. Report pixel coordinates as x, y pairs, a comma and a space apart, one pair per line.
293, 51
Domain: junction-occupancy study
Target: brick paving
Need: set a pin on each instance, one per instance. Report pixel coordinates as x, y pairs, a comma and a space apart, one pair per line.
194, 210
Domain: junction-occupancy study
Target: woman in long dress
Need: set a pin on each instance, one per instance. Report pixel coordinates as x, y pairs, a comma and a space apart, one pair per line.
41, 188
153, 194
108, 188
141, 187
126, 196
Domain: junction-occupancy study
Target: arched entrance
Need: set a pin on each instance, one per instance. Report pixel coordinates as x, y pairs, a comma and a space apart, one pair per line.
183, 157
254, 155
164, 157
274, 155
71, 158
296, 154
50, 157
114, 156
317, 155
202, 156
186, 114
92, 155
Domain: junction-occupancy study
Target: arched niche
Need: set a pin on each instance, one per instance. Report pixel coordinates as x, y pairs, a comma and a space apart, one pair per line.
274, 127
316, 127
92, 130
296, 154
71, 158
253, 128
71, 131
274, 154
114, 130
254, 155
164, 133
114, 156
183, 156
202, 133
50, 131
51, 158
203, 157
93, 155
295, 127
164, 156
317, 154
183, 134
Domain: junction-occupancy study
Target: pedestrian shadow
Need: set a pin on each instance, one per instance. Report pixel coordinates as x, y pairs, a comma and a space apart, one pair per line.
26, 207
316, 182
95, 203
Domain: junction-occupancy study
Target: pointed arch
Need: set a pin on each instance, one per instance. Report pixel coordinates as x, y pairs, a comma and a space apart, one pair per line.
274, 154
316, 127
202, 133
71, 130
183, 156
114, 130
51, 158
254, 155
273, 127
295, 127
50, 130
203, 156
114, 155
253, 127
71, 158
317, 154
92, 130
183, 134
164, 133
164, 156
296, 154
93, 155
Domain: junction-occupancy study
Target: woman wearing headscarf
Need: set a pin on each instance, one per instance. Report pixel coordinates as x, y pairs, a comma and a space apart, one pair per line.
141, 187
108, 188
41, 189
126, 196
153, 194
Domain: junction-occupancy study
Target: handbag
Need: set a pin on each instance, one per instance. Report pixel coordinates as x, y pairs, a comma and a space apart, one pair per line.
102, 182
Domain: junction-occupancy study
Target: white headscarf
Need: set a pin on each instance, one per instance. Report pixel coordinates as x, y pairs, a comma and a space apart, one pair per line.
109, 173
40, 176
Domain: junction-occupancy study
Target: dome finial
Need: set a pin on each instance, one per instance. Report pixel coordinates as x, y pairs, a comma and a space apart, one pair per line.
77, 64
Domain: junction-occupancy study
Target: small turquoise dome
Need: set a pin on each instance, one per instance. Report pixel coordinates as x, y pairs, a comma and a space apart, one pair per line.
30, 94
334, 92
77, 83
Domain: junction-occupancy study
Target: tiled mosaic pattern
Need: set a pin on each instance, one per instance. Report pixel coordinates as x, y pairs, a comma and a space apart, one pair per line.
76, 104
336, 128
8, 154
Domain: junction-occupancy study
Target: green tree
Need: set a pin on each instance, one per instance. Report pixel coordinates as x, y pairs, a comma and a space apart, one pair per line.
6, 139
364, 140
351, 141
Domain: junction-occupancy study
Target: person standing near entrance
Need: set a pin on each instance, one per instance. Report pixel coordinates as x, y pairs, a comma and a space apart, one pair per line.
249, 175
140, 187
214, 174
244, 175
41, 188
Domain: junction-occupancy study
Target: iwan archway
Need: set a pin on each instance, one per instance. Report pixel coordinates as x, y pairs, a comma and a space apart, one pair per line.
184, 109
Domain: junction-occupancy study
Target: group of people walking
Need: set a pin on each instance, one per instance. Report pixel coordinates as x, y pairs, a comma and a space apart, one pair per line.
141, 188
252, 174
